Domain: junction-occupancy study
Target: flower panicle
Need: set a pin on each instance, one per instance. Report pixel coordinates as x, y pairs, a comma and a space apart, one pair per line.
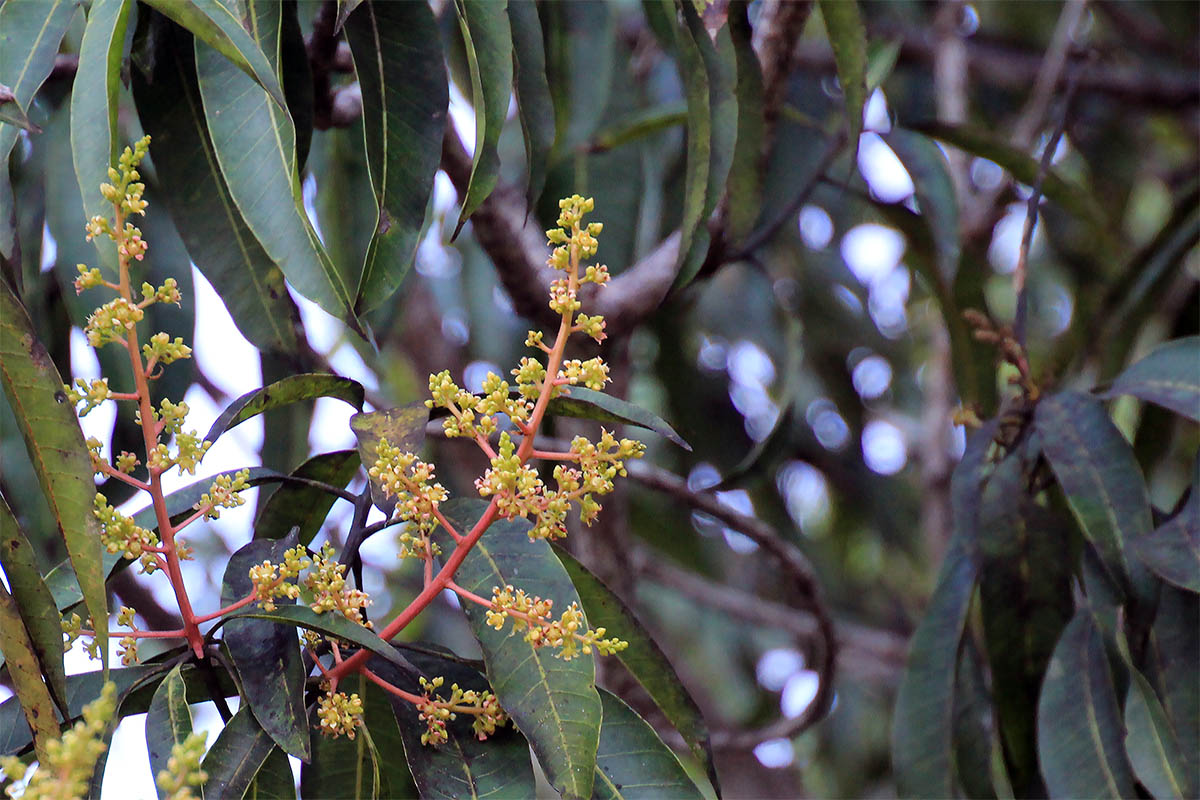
568, 633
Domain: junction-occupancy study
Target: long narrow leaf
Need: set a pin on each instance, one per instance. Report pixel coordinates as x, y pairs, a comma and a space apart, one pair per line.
848, 38
1168, 376
21, 658
168, 721
291, 389
534, 102
633, 762
235, 757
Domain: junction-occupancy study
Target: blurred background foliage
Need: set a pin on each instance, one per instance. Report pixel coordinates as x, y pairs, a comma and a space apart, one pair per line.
815, 362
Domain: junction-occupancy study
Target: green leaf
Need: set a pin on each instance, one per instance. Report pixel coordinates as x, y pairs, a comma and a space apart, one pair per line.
638, 125
331, 624
235, 757
487, 37
534, 102
292, 389
33, 600
1172, 550
265, 654
24, 668
848, 38
255, 144
194, 191
56, 448
274, 779
1102, 481
306, 507
82, 689
403, 427
401, 72
632, 761
370, 765
462, 766
1069, 195
552, 701
29, 37
934, 188
213, 23
168, 721
744, 188
720, 66
13, 114
643, 657
972, 720
1166, 377
923, 722
94, 96
1152, 746
1080, 733
583, 403
881, 60
1171, 656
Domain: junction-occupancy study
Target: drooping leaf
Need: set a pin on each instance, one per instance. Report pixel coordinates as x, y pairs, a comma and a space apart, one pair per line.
304, 506
720, 65
291, 389
1168, 376
255, 145
923, 723
1151, 744
848, 38
331, 624
534, 102
638, 125
215, 24
583, 403
56, 448
487, 37
744, 188
403, 427
1172, 655
398, 60
265, 654
373, 764
972, 724
462, 766
295, 72
13, 114
235, 757
632, 761
934, 189
552, 701
1172, 550
274, 779
1080, 733
24, 668
643, 657
94, 96
1102, 481
194, 190
168, 721
33, 601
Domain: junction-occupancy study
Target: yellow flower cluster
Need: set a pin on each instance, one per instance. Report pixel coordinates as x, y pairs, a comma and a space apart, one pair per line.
339, 713
533, 614
436, 711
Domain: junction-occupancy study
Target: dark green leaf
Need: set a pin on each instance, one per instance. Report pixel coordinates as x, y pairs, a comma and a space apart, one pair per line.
29, 37
1080, 733
266, 654
214, 24
488, 40
331, 624
552, 701
1172, 655
33, 599
373, 763
296, 73
274, 780
638, 125
1172, 551
13, 114
972, 718
304, 506
1168, 376
168, 721
235, 757
1151, 743
195, 192
534, 103
923, 723
930, 173
255, 144
720, 64
632, 761
643, 657
56, 448
848, 38
744, 188
292, 389
584, 403
398, 60
403, 427
21, 658
1102, 481
463, 766
881, 60
94, 96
